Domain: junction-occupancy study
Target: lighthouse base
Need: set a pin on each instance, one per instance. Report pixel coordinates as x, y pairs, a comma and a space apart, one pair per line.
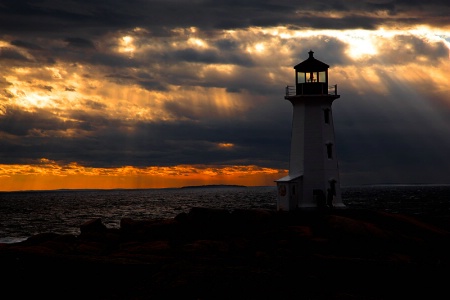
293, 195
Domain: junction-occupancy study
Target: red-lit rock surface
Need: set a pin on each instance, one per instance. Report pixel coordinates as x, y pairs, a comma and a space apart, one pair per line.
243, 254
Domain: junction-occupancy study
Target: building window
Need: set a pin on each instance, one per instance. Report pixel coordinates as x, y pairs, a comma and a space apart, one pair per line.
301, 77
333, 187
330, 150
326, 115
322, 76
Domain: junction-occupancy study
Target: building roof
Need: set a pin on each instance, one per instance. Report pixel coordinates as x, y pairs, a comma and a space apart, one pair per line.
311, 64
289, 178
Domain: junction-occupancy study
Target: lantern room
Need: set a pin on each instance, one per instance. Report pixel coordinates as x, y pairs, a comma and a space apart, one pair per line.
311, 77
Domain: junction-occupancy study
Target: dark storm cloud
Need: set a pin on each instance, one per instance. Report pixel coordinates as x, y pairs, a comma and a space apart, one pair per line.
195, 143
26, 45
211, 56
55, 16
108, 59
79, 22
86, 33
40, 122
114, 146
79, 43
11, 54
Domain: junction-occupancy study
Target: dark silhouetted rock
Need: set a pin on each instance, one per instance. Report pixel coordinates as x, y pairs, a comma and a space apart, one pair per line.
220, 254
94, 225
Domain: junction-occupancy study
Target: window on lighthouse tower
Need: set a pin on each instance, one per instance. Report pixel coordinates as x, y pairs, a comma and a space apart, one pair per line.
326, 115
330, 150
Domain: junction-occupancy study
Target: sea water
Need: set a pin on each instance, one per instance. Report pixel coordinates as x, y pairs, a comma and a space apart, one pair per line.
27, 213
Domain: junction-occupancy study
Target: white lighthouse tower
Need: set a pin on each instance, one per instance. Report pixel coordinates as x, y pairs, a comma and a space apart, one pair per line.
313, 180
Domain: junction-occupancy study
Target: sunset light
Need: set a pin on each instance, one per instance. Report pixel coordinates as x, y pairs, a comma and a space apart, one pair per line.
217, 149
153, 99
49, 175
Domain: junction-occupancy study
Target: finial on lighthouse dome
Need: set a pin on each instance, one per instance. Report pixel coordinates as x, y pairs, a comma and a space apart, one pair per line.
311, 53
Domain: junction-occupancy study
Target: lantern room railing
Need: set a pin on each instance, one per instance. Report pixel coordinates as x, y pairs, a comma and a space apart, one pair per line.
292, 91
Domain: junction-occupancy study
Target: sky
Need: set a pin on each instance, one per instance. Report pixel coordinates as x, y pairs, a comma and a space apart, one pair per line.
169, 93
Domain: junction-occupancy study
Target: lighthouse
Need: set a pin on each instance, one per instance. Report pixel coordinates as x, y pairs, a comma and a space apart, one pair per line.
313, 179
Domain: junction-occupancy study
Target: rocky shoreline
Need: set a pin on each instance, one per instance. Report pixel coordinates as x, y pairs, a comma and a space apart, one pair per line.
252, 254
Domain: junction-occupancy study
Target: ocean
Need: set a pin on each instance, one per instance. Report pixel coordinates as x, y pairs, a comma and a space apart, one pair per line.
27, 213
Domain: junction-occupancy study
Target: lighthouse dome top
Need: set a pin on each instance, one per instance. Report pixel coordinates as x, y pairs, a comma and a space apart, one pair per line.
311, 64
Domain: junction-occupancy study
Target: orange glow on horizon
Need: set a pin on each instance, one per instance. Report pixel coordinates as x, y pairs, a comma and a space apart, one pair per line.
50, 176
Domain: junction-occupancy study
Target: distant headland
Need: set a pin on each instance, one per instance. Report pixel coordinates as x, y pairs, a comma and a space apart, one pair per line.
213, 186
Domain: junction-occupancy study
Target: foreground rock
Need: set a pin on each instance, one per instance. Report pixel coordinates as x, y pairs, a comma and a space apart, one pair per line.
252, 254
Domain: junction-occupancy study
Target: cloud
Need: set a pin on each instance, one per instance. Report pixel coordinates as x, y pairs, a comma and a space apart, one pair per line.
79, 43
165, 83
77, 16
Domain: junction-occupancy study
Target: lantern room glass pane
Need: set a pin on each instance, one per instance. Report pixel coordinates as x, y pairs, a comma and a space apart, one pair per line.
301, 77
322, 76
